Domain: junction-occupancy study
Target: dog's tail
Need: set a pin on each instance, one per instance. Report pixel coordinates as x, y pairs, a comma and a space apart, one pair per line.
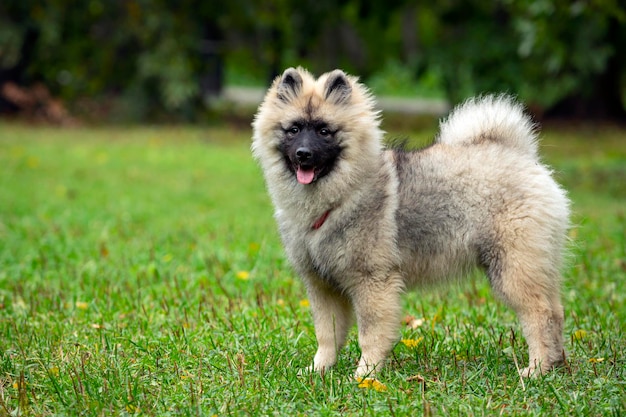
490, 118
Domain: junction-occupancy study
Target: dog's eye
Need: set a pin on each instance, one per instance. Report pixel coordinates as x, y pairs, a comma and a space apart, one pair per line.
324, 131
293, 130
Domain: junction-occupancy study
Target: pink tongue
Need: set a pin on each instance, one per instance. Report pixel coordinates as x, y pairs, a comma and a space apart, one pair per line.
305, 176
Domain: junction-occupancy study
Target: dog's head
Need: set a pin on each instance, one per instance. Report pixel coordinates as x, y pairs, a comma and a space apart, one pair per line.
312, 124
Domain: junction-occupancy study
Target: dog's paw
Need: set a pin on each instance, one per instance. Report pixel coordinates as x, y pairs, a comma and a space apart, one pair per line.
324, 359
306, 370
534, 371
314, 368
365, 370
530, 372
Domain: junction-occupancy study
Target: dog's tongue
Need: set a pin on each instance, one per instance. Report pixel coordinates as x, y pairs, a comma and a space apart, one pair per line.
305, 176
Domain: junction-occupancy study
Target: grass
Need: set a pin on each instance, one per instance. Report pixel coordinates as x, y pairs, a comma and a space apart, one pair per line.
141, 274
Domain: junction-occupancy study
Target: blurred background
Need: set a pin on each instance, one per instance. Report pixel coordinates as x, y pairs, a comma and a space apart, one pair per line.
189, 60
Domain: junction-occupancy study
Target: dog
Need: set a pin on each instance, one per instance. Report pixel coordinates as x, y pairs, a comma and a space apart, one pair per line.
361, 224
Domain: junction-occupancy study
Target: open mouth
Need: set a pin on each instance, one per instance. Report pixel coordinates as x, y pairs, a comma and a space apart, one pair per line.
306, 175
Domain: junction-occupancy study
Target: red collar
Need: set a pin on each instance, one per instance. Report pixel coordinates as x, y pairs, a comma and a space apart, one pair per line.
319, 222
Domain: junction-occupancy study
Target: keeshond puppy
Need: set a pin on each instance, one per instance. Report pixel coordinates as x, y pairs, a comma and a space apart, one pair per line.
361, 224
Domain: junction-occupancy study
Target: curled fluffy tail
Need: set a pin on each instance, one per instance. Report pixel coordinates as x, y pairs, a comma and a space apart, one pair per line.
490, 118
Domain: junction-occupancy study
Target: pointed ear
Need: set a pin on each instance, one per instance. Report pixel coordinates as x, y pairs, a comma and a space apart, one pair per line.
289, 85
337, 87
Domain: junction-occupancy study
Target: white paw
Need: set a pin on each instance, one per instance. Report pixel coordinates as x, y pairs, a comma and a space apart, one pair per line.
306, 371
365, 370
324, 359
531, 372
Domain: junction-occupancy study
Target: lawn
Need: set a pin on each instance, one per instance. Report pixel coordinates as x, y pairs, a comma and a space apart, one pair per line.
141, 273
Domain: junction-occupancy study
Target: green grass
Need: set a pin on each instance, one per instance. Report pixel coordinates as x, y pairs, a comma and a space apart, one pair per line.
141, 273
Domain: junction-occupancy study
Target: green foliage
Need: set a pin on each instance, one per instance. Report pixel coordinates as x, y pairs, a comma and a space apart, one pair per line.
399, 80
145, 51
543, 50
141, 273
149, 53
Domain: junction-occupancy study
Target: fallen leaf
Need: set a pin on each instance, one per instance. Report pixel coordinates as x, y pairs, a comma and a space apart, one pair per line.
417, 378
371, 383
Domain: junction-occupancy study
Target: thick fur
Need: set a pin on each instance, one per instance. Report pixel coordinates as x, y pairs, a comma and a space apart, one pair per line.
361, 224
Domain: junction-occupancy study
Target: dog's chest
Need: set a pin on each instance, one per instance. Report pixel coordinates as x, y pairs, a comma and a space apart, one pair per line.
322, 253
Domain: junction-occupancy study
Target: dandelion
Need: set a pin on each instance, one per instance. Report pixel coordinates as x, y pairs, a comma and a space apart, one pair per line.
412, 343
371, 383
243, 275
81, 305
304, 303
580, 334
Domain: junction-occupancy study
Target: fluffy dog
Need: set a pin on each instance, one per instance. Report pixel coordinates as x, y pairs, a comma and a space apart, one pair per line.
361, 224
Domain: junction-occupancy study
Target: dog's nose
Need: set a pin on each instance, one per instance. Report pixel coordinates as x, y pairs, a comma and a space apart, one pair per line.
303, 154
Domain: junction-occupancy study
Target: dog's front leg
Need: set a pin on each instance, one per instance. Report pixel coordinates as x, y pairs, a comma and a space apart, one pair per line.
332, 317
378, 311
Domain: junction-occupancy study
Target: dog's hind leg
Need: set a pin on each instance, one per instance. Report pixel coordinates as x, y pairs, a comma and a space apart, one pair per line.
332, 317
531, 288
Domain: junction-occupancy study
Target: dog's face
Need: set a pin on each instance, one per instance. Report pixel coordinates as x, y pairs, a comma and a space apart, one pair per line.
312, 125
310, 149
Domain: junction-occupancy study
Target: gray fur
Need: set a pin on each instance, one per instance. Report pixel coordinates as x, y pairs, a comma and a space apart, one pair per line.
479, 196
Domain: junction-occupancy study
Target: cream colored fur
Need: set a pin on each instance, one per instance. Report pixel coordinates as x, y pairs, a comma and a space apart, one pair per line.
479, 196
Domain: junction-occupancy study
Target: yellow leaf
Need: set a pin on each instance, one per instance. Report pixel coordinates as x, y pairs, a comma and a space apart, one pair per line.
371, 383
412, 343
596, 360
